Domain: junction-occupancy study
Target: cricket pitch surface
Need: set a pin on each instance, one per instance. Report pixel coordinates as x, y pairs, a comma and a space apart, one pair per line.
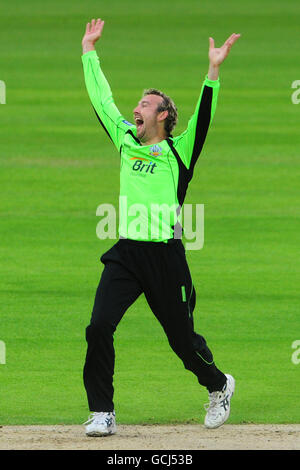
154, 437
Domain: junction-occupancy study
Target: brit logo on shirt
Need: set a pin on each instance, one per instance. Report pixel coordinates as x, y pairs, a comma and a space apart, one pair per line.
155, 151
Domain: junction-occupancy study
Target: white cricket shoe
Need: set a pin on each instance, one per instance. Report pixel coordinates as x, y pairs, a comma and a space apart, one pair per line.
218, 408
101, 424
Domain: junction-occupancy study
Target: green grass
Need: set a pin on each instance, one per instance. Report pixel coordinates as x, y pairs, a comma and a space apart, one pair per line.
57, 166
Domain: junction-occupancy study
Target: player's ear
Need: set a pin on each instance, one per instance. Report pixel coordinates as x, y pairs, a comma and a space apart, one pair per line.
162, 115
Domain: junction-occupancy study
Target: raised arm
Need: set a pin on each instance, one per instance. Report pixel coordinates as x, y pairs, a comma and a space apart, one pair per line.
98, 88
189, 144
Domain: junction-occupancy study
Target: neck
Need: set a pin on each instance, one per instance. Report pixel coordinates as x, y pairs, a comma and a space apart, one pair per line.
154, 140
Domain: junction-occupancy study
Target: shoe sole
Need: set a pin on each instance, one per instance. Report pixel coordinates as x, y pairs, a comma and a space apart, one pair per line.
101, 433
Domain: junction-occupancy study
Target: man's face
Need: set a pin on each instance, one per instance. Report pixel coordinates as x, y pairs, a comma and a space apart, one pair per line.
146, 116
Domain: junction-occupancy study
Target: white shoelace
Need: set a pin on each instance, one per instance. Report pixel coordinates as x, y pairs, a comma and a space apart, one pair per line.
97, 416
214, 400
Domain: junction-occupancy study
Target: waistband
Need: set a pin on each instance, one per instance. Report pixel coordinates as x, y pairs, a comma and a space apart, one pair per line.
170, 241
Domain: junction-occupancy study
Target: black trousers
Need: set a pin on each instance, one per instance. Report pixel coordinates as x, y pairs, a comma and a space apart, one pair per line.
160, 271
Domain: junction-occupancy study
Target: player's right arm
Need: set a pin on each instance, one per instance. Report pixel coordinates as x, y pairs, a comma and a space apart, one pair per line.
98, 88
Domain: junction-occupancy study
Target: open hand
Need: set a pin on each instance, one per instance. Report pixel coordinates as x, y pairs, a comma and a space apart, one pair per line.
218, 55
93, 32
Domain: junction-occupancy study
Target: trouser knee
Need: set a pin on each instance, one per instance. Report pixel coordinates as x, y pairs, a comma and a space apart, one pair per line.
196, 344
99, 344
96, 331
201, 349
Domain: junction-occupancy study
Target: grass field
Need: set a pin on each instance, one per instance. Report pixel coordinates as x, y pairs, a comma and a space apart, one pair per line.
57, 166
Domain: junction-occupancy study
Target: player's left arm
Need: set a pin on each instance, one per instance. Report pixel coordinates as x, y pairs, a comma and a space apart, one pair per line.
189, 144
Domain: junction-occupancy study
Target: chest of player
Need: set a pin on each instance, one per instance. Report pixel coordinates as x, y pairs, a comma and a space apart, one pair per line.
149, 162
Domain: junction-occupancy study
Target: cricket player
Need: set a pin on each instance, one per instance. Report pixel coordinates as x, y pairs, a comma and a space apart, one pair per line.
149, 257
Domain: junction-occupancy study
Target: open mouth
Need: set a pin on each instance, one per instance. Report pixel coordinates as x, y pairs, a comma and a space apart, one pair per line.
138, 122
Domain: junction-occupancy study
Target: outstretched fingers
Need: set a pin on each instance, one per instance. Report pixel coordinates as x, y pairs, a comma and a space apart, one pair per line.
99, 25
217, 55
231, 40
94, 25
